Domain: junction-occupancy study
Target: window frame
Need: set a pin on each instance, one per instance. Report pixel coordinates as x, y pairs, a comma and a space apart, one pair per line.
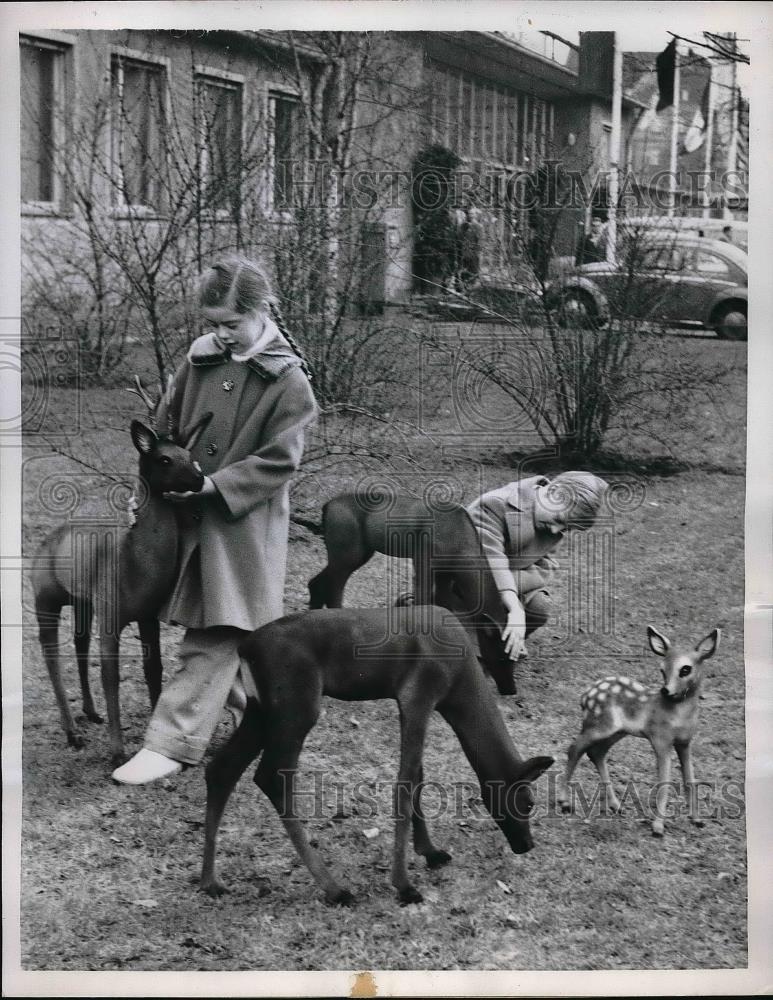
283, 92
62, 45
122, 208
227, 80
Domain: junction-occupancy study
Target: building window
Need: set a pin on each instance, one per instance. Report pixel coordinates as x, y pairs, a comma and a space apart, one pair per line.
220, 128
285, 148
487, 122
138, 121
42, 126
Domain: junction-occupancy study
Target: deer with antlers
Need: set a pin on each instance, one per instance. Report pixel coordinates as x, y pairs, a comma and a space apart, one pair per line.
122, 580
616, 707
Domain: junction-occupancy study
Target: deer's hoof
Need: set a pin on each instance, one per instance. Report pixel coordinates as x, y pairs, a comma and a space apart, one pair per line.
94, 717
117, 758
339, 897
657, 828
436, 859
410, 895
697, 821
76, 739
565, 807
213, 887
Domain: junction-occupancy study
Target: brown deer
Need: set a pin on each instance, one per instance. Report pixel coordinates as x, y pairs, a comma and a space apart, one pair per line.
450, 566
618, 706
418, 656
124, 580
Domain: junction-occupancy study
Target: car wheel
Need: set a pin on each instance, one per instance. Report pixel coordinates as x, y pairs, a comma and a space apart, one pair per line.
578, 309
730, 323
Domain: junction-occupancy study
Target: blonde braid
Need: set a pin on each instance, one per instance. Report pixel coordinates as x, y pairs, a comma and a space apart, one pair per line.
277, 317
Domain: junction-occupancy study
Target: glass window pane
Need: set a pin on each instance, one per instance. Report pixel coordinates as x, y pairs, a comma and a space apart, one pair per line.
220, 127
287, 149
38, 111
138, 131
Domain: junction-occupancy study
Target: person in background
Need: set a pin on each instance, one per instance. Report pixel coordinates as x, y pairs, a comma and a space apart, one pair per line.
593, 247
250, 376
520, 525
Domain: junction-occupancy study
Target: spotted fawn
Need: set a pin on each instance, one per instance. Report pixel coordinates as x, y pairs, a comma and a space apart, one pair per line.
616, 707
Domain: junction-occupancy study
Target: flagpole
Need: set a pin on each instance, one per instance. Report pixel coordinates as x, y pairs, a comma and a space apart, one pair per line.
674, 134
733, 144
614, 148
709, 140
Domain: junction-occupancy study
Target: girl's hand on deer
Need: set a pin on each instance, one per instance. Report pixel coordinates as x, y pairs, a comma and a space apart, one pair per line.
208, 489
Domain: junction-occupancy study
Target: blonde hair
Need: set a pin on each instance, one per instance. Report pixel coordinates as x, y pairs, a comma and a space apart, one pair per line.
236, 283
579, 494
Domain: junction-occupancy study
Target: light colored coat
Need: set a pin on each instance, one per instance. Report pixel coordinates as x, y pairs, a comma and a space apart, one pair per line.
517, 552
234, 545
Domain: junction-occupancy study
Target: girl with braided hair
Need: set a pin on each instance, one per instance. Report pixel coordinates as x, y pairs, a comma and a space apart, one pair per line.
248, 372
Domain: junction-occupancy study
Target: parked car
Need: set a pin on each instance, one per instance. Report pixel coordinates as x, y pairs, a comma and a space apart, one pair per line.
670, 279
691, 225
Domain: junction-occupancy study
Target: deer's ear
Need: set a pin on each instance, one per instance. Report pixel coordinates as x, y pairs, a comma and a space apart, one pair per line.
658, 643
191, 435
535, 766
145, 438
708, 646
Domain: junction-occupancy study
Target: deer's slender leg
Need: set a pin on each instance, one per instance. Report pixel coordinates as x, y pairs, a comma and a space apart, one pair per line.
222, 774
573, 755
422, 842
415, 710
110, 682
422, 568
326, 589
598, 754
47, 611
688, 776
151, 657
276, 778
82, 614
663, 754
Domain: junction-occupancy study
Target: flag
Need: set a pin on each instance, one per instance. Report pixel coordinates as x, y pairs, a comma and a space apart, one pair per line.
696, 133
665, 65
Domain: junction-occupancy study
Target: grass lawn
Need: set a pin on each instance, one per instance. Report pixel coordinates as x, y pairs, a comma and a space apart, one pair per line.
109, 872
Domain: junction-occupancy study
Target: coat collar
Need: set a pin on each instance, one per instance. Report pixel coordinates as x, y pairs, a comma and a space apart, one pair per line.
274, 361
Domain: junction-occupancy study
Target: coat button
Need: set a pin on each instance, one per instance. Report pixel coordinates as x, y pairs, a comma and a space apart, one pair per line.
228, 385
212, 449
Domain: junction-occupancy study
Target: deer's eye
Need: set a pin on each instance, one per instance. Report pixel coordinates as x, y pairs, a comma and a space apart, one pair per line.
166, 460
685, 671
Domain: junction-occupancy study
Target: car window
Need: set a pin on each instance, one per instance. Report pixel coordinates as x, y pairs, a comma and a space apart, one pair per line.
666, 258
709, 263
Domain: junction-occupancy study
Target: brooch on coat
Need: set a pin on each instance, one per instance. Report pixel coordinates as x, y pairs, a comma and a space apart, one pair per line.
228, 385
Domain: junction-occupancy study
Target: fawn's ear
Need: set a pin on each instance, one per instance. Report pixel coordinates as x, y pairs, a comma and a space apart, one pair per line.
145, 438
658, 643
708, 646
535, 766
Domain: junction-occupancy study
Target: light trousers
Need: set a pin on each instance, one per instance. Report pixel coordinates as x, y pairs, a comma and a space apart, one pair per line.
210, 675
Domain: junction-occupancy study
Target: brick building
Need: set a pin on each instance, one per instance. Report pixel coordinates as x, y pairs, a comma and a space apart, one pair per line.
206, 139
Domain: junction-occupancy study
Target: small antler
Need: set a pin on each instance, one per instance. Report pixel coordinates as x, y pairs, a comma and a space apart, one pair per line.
142, 393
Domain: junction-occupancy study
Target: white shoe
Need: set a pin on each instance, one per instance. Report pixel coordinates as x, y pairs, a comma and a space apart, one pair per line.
145, 766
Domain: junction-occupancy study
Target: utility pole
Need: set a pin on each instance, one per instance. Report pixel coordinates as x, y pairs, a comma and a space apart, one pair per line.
614, 148
674, 133
732, 146
709, 140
